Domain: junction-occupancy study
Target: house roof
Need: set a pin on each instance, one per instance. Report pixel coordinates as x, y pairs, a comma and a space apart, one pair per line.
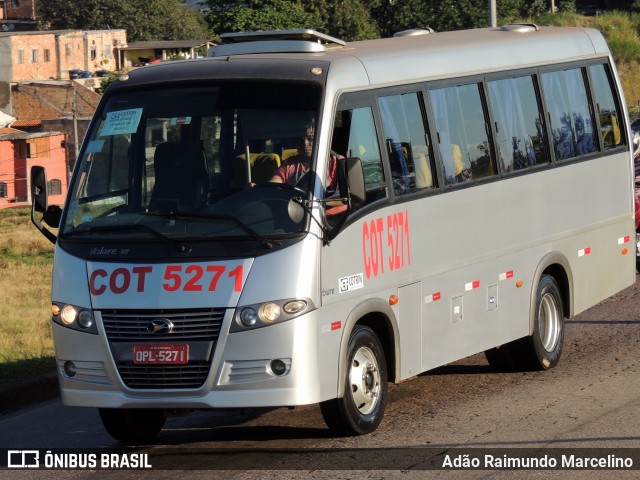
18, 135
26, 123
56, 32
167, 44
8, 130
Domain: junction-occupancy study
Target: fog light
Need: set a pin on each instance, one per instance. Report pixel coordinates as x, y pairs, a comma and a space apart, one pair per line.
278, 367
69, 369
248, 317
85, 319
68, 315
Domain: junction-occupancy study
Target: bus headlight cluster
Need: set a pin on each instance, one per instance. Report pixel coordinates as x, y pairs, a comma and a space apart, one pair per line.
268, 313
74, 317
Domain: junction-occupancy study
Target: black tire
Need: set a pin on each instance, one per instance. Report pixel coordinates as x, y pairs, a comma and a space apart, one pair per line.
132, 424
542, 349
501, 358
361, 408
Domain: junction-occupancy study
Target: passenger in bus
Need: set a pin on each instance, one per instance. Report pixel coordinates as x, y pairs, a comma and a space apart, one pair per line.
584, 138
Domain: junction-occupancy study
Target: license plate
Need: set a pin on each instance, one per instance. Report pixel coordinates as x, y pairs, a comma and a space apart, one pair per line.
161, 354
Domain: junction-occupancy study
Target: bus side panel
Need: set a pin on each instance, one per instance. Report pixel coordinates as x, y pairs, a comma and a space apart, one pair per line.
469, 247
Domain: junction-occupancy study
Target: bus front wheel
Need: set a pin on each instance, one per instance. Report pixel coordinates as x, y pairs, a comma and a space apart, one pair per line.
132, 424
360, 409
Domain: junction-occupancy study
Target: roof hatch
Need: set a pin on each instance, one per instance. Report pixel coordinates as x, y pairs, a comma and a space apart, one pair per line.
274, 41
520, 27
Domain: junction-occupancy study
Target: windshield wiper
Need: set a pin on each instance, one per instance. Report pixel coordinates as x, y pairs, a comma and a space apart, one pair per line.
124, 228
227, 218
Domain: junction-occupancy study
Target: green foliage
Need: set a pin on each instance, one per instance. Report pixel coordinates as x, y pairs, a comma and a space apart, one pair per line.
143, 20
166, 20
566, 6
348, 19
254, 15
106, 81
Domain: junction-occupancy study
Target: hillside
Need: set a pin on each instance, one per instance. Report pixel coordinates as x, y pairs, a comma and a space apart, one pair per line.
620, 29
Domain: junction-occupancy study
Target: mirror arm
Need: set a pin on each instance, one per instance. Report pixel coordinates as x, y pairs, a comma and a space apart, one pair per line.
328, 234
47, 233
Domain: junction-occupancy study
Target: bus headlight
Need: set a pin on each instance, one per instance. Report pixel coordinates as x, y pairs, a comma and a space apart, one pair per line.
248, 317
68, 315
85, 319
268, 313
74, 317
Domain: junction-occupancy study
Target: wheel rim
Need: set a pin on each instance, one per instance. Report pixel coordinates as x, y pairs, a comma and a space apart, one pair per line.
364, 379
549, 322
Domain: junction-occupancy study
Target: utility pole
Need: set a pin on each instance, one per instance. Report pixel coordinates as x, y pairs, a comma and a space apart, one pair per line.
493, 16
553, 6
74, 112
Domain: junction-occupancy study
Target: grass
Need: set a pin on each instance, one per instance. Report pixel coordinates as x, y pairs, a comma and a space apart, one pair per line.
621, 31
26, 346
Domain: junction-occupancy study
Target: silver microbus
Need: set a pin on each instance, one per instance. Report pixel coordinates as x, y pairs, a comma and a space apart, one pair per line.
300, 220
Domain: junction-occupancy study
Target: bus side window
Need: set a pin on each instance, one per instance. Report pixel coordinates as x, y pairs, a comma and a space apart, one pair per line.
361, 141
404, 131
566, 98
520, 134
462, 133
608, 110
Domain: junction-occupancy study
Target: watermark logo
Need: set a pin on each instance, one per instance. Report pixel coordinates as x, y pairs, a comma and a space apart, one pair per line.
23, 459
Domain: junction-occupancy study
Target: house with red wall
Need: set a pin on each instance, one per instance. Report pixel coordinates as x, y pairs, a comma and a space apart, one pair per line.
19, 151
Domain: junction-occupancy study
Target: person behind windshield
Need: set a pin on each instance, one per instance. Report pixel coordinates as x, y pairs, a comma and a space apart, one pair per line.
294, 168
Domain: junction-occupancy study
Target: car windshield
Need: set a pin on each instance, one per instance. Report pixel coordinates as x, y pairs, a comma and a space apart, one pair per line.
193, 162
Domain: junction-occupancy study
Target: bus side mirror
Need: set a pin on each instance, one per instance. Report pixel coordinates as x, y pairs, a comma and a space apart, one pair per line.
355, 181
50, 214
39, 189
352, 192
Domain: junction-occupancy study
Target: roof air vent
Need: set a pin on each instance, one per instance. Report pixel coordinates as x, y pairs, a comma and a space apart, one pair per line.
275, 41
414, 32
520, 27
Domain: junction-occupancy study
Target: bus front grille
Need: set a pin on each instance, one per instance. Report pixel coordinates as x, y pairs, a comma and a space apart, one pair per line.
197, 327
164, 376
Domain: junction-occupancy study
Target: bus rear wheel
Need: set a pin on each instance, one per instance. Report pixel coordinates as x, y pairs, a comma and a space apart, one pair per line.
132, 424
541, 350
360, 409
501, 358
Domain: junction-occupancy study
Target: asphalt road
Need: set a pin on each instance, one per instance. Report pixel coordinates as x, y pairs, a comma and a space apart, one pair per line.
589, 401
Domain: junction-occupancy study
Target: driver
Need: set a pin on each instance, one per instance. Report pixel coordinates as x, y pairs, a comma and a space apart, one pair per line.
295, 167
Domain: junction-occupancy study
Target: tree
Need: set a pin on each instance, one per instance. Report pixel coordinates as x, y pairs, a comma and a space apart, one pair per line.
443, 15
147, 20
251, 15
347, 19
166, 20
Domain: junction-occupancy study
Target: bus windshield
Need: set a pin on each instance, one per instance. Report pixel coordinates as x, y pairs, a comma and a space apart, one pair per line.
194, 161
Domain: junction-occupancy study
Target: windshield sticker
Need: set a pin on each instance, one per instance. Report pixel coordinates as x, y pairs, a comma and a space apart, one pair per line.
95, 146
352, 282
121, 122
180, 121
